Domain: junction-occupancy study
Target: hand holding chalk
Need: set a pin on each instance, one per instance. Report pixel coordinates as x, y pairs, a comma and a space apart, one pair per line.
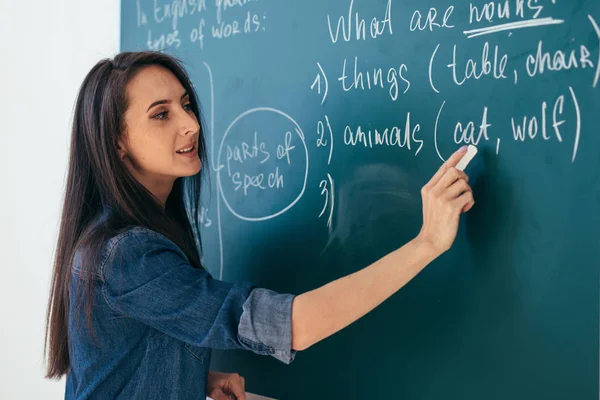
445, 197
462, 164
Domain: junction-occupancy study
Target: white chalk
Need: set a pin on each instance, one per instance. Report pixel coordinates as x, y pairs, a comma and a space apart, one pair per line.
462, 164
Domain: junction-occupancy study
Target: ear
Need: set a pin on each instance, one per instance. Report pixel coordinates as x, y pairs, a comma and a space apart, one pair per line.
122, 147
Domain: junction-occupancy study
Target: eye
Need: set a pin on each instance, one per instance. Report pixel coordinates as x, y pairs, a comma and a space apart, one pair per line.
161, 115
187, 107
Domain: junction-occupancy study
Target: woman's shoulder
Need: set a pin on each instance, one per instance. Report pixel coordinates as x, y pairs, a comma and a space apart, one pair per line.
136, 240
137, 255
125, 247
133, 235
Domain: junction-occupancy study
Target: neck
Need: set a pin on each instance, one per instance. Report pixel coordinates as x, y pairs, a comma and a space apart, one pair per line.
159, 187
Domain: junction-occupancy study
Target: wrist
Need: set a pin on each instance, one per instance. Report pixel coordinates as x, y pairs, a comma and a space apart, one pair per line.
426, 248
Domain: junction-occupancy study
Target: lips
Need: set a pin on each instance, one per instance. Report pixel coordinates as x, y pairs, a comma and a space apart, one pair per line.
187, 149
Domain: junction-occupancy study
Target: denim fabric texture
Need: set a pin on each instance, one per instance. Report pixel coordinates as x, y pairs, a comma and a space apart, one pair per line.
156, 319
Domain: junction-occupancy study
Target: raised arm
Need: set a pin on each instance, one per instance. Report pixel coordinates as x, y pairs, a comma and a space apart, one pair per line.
322, 312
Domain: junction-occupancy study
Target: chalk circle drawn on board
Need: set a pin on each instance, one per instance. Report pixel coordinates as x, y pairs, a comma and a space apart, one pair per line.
299, 133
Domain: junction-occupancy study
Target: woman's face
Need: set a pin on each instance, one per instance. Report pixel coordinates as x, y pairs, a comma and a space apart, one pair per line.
160, 128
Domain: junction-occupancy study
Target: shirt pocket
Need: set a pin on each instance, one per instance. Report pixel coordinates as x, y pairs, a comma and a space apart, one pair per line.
198, 352
156, 334
166, 346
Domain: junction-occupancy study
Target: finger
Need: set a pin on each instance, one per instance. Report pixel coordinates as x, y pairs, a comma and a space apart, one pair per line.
218, 394
468, 207
456, 189
451, 162
237, 389
465, 201
450, 177
240, 395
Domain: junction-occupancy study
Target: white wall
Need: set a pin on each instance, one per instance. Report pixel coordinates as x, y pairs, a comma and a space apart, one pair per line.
46, 48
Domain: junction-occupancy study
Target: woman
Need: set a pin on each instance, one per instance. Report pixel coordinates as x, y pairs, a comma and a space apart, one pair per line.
132, 312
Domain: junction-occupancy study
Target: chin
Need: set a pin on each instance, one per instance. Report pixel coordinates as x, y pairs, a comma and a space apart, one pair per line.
188, 173
191, 171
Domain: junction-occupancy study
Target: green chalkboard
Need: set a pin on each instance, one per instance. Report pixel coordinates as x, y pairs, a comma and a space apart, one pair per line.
325, 119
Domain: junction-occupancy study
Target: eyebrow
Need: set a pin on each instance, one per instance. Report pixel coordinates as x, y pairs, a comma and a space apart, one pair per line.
165, 101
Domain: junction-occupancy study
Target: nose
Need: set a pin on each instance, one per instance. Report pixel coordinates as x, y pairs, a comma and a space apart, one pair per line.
188, 123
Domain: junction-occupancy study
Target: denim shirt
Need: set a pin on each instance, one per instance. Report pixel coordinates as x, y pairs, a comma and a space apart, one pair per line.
156, 319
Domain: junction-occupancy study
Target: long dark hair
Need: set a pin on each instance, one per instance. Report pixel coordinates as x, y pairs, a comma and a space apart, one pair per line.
98, 180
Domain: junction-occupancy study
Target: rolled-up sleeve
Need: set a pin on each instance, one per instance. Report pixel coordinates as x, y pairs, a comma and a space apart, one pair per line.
267, 319
146, 277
